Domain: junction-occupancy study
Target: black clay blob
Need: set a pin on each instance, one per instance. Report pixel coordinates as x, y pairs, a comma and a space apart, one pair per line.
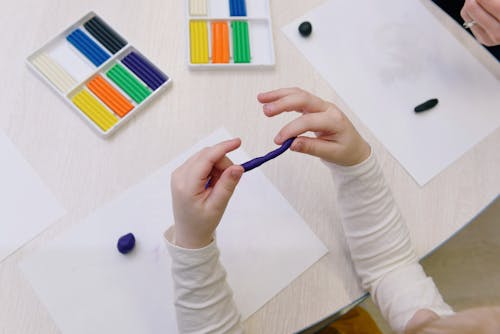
305, 29
426, 105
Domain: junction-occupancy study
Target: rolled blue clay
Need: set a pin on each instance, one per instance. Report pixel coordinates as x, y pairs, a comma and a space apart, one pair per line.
126, 243
254, 163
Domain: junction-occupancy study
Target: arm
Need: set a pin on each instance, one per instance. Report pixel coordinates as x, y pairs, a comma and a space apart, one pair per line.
203, 299
377, 236
381, 248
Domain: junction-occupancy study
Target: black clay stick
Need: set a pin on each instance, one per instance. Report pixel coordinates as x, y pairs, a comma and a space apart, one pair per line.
426, 105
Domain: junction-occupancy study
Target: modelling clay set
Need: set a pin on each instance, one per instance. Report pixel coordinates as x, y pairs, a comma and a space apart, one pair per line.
102, 77
229, 34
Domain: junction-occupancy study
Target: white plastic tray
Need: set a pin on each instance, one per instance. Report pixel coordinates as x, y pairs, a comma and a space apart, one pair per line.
259, 25
82, 70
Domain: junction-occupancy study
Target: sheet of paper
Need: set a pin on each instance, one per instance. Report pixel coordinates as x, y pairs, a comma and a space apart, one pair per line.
26, 206
88, 287
386, 57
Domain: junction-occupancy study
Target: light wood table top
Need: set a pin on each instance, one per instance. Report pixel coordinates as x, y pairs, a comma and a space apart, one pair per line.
85, 171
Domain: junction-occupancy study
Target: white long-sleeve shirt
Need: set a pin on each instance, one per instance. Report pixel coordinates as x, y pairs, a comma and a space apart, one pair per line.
380, 247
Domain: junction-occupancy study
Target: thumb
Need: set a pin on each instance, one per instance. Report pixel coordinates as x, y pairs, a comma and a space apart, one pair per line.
320, 148
224, 188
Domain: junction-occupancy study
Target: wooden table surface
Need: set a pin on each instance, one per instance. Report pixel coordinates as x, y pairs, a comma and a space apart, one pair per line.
84, 171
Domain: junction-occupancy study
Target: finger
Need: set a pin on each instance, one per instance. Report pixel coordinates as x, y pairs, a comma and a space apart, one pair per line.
195, 158
303, 102
484, 21
205, 160
492, 7
223, 163
326, 122
224, 188
218, 169
482, 35
320, 148
476, 30
274, 95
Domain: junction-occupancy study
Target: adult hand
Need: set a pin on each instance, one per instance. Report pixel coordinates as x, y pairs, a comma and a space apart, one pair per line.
336, 141
486, 15
197, 208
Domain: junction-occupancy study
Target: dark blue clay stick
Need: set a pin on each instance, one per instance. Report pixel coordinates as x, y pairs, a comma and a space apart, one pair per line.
150, 75
254, 163
150, 68
144, 76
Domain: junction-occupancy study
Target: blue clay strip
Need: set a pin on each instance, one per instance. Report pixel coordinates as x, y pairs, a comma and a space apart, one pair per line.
87, 47
254, 163
237, 8
91, 45
231, 7
243, 8
126, 243
90, 54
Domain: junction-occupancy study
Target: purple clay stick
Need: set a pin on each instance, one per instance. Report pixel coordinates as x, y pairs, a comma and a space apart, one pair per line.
254, 163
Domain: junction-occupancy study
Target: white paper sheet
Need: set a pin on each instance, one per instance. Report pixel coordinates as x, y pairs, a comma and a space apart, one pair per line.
88, 287
26, 205
384, 58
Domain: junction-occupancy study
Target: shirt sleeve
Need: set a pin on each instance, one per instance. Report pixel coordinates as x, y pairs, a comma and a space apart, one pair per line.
203, 299
380, 245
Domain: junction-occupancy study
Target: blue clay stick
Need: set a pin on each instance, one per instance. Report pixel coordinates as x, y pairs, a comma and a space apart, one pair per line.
254, 163
87, 47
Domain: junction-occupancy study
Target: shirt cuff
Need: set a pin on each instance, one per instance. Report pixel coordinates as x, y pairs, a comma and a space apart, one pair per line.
187, 255
354, 170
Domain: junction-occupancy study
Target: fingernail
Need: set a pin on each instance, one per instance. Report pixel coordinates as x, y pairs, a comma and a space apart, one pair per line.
236, 174
297, 146
268, 108
277, 139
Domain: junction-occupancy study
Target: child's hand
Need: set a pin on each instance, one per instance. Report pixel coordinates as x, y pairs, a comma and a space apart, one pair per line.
198, 209
336, 139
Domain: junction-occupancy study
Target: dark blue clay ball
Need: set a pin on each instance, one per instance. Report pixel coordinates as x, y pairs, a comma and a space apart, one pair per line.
126, 243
